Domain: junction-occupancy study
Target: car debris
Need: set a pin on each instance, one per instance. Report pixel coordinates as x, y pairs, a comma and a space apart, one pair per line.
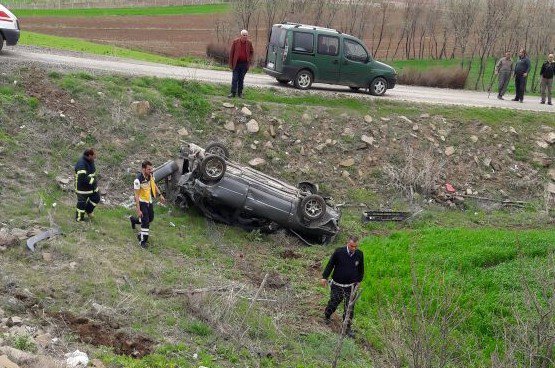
42, 236
368, 216
234, 194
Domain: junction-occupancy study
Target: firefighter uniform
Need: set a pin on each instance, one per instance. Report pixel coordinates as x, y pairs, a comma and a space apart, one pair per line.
146, 190
86, 188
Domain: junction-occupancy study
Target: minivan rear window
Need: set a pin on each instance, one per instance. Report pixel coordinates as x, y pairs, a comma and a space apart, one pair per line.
278, 36
303, 42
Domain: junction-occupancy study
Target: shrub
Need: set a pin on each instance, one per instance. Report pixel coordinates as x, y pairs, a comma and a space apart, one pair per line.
454, 78
218, 52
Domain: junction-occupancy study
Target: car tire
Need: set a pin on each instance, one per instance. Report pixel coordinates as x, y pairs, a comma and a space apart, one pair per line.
378, 86
1, 41
217, 148
283, 81
354, 89
212, 168
307, 188
304, 79
312, 207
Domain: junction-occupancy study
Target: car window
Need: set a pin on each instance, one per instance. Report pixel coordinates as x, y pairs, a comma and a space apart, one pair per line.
328, 45
278, 36
303, 42
355, 51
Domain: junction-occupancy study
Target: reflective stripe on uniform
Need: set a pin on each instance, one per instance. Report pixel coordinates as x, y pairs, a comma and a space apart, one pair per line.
81, 172
341, 285
84, 191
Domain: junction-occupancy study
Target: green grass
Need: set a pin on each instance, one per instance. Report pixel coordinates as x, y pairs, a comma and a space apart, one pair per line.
75, 44
136, 11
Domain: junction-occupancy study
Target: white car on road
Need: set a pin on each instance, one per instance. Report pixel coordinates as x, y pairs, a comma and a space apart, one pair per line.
9, 27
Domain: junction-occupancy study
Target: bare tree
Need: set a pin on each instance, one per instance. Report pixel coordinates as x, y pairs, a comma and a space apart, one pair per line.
244, 11
275, 11
384, 7
462, 15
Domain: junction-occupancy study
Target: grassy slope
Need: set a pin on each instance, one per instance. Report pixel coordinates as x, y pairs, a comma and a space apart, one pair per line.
475, 251
138, 11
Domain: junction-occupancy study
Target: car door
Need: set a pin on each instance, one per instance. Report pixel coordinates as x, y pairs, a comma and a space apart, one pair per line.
355, 69
327, 60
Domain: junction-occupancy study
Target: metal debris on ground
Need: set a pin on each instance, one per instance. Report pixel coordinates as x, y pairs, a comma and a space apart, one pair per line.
42, 236
368, 216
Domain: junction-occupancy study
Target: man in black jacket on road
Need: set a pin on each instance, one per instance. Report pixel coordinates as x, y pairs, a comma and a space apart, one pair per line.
522, 68
347, 264
546, 72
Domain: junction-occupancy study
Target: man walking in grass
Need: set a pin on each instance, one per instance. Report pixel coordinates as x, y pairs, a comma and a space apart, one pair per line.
86, 186
347, 265
504, 70
145, 189
522, 68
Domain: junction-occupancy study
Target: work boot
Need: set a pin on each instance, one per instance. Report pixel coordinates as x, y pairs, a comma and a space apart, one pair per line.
240, 95
499, 97
542, 102
231, 95
143, 244
133, 222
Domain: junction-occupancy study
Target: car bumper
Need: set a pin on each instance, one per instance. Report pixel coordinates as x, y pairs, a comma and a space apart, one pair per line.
288, 72
11, 36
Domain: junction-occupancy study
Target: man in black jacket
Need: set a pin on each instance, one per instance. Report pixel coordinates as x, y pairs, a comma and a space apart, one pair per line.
546, 72
86, 186
347, 264
522, 68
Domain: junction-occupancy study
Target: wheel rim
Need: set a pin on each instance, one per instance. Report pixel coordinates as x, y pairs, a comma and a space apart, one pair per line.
214, 168
304, 80
313, 208
218, 151
379, 87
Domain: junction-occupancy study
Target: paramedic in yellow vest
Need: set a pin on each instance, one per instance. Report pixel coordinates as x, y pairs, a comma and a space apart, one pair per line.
145, 190
86, 186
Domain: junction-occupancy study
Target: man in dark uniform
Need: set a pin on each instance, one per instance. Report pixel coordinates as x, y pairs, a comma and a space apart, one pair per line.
86, 186
145, 189
522, 68
347, 264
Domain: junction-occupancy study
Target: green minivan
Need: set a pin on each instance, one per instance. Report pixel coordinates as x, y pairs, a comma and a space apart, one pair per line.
305, 54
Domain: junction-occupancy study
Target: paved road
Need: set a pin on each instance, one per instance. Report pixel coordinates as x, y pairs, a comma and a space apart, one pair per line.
132, 67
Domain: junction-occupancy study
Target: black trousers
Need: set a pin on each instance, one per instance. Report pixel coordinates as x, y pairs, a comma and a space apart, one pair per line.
520, 86
86, 203
147, 210
340, 294
238, 78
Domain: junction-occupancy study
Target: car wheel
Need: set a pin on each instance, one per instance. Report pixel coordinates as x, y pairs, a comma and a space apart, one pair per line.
378, 86
307, 188
313, 207
303, 80
1, 41
354, 89
218, 149
212, 168
283, 81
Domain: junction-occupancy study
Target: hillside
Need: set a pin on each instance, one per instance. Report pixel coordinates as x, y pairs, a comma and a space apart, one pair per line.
193, 298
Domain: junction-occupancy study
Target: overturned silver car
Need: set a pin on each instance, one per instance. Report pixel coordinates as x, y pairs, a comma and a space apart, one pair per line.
234, 194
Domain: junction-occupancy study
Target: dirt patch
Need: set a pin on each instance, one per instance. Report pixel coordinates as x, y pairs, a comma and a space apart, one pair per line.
290, 254
101, 333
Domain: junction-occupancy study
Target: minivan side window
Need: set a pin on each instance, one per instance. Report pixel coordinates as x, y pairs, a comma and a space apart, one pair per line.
328, 45
303, 42
355, 51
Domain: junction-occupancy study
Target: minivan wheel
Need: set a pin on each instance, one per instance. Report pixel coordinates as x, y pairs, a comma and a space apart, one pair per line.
303, 80
1, 41
378, 86
283, 81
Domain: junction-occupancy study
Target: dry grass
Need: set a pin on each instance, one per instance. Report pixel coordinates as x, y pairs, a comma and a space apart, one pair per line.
437, 77
218, 52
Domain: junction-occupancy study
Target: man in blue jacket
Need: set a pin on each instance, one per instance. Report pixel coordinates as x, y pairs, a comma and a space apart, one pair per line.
522, 68
86, 186
347, 264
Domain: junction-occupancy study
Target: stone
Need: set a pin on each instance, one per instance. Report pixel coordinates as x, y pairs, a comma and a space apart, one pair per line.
415, 127
386, 119
542, 144
551, 188
347, 132
368, 119
549, 137
17, 356
228, 105
230, 126
541, 159
62, 180
8, 240
269, 144
272, 131
306, 117
345, 174
253, 146
405, 119
513, 131
43, 340
449, 150
252, 126
140, 108
485, 129
255, 162
183, 132
474, 138
487, 162
47, 257
302, 151
95, 363
320, 147
442, 132
424, 116
551, 174
14, 321
5, 362
347, 162
246, 111
368, 140
469, 191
